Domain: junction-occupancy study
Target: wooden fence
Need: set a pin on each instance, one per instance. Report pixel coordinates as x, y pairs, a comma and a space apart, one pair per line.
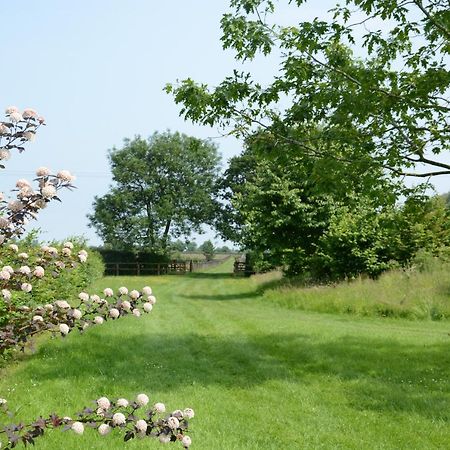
170, 268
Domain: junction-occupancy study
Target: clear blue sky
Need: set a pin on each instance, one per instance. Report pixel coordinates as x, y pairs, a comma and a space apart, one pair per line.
95, 70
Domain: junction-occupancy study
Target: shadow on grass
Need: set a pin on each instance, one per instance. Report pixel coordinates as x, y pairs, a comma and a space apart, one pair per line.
373, 374
234, 296
210, 275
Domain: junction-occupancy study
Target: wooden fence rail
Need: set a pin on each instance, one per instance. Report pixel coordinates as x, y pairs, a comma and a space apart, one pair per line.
165, 268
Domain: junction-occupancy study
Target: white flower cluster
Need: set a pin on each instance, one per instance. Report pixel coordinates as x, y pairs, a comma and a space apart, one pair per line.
109, 415
61, 317
25, 275
19, 128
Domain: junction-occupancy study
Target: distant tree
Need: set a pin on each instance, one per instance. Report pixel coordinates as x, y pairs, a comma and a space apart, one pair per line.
223, 249
207, 248
178, 245
162, 189
191, 246
324, 219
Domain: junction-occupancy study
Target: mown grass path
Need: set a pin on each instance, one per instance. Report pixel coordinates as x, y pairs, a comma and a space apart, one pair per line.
258, 376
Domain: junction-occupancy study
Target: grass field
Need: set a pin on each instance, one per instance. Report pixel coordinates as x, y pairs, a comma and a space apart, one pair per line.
258, 375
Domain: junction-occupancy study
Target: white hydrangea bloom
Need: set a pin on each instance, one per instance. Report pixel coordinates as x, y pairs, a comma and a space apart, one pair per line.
42, 171
159, 407
141, 426
151, 299
9, 269
104, 429
118, 419
123, 290
122, 402
4, 275
3, 401
38, 318
173, 422
135, 294
22, 183
48, 307
11, 109
6, 294
83, 252
78, 427
186, 441
23, 255
82, 258
104, 403
5, 154
29, 113
64, 329
66, 251
48, 190
95, 298
65, 175
83, 296
98, 320
147, 307
16, 117
147, 290
142, 399
178, 414
26, 287
14, 248
3, 129
126, 305
136, 313
76, 313
164, 438
188, 413
39, 271
62, 304
25, 270
114, 313
15, 205
29, 136
108, 292
68, 244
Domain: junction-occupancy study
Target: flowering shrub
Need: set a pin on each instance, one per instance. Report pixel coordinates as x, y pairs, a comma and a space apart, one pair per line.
60, 317
130, 418
22, 271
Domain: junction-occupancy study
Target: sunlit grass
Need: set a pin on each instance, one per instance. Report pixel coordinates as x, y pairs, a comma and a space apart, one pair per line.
259, 376
404, 294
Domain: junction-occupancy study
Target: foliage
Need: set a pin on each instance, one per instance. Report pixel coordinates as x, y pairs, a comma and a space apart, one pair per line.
20, 323
416, 293
207, 248
374, 76
162, 189
59, 317
220, 344
105, 416
325, 221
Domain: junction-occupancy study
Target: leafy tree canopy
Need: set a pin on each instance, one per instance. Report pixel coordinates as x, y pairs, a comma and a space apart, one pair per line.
163, 188
322, 218
390, 102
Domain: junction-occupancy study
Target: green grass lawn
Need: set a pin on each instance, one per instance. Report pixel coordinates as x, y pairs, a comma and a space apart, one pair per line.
258, 375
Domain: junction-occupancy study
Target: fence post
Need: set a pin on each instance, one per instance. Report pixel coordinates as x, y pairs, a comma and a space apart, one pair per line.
191, 266
159, 271
138, 269
117, 270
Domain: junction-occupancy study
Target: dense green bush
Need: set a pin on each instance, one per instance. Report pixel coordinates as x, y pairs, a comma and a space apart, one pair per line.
59, 282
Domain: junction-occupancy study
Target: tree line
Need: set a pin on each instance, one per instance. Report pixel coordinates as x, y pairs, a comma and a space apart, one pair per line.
320, 186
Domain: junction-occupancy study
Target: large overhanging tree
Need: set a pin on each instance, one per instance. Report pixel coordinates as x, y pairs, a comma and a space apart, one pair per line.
163, 188
374, 79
